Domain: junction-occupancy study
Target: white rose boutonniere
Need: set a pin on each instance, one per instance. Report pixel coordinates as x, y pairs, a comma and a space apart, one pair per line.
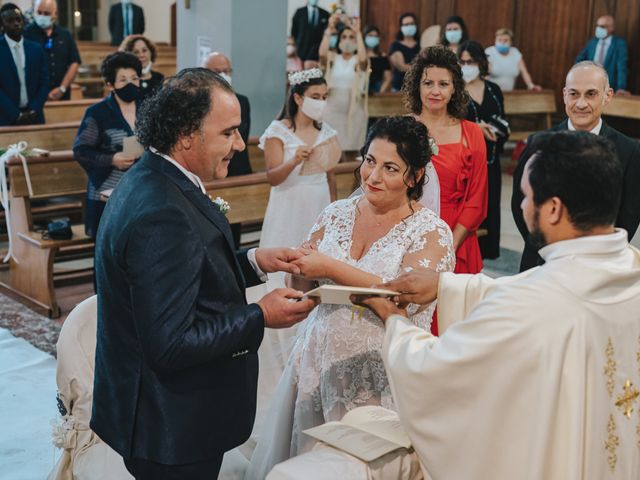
221, 203
433, 146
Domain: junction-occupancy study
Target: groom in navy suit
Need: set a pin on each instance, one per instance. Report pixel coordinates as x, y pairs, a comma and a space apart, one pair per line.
176, 355
24, 72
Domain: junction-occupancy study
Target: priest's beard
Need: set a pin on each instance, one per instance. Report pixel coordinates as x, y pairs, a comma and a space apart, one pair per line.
536, 236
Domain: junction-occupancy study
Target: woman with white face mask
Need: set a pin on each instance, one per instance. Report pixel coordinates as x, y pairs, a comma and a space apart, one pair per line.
454, 33
295, 201
347, 74
487, 110
404, 49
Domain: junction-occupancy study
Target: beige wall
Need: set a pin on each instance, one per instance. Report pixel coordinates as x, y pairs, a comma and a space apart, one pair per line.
157, 17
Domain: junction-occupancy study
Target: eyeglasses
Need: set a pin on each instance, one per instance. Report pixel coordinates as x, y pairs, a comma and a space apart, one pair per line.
467, 62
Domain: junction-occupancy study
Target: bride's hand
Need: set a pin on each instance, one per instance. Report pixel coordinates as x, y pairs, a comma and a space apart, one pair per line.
313, 265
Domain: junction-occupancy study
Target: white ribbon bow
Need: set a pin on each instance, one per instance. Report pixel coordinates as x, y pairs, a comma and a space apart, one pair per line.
13, 151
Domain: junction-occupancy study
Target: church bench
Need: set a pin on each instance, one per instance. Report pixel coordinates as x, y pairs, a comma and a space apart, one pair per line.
92, 54
248, 195
517, 103
67, 110
31, 273
526, 103
54, 136
624, 107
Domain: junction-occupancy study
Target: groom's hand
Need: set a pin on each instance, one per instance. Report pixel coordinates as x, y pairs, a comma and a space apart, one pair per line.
278, 260
284, 307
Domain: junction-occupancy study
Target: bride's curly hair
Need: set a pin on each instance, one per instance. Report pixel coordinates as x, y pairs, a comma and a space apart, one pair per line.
411, 139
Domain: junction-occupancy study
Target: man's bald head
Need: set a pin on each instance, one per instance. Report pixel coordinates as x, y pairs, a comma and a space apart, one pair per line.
588, 69
217, 62
46, 7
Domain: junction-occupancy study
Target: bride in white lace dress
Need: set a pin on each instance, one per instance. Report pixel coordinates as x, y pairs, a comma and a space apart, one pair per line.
335, 364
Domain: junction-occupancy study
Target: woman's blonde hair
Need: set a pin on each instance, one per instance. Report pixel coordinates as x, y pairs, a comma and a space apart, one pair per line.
505, 31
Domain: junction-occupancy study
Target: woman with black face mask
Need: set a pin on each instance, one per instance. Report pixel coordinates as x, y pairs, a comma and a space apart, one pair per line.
98, 144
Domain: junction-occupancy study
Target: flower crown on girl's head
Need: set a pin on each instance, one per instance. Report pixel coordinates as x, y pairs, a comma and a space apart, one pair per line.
303, 76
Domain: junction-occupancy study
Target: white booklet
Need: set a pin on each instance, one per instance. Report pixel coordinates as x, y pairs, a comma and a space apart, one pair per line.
365, 432
339, 294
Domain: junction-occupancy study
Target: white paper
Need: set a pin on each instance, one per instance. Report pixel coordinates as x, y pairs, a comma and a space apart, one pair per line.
339, 294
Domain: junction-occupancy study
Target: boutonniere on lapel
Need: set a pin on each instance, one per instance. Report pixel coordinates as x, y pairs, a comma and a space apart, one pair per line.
221, 204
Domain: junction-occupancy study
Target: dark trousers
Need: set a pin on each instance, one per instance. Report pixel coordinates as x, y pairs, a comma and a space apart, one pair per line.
147, 470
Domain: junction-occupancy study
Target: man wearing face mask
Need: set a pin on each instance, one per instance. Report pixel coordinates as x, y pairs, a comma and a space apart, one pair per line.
610, 51
125, 18
240, 164
58, 44
585, 94
98, 146
23, 90
307, 26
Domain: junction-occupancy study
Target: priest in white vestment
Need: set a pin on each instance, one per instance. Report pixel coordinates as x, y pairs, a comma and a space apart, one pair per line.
536, 376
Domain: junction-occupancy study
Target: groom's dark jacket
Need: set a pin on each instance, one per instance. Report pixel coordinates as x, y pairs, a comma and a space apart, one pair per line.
176, 356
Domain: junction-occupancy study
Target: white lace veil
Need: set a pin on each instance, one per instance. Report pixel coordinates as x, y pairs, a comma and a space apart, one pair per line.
430, 192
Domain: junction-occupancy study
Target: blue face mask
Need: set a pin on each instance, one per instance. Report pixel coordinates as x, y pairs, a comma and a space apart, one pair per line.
333, 41
371, 42
313, 3
601, 32
453, 36
409, 30
502, 48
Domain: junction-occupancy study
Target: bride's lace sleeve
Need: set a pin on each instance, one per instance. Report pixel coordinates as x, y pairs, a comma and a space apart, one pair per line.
432, 250
316, 234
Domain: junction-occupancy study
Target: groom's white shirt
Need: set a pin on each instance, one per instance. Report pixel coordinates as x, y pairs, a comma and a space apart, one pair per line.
528, 379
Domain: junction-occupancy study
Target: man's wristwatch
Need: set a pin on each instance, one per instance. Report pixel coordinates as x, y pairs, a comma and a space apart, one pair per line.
63, 89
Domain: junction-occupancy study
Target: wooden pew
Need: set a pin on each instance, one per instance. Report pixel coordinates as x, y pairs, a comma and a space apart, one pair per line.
248, 195
31, 273
55, 136
94, 54
523, 102
67, 110
624, 107
516, 103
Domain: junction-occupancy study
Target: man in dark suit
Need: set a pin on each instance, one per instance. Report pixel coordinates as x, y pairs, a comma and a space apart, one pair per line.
610, 51
586, 92
176, 355
24, 76
125, 18
240, 164
307, 27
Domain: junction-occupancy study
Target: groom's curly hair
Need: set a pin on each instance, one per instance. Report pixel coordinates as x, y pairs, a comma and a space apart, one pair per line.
411, 139
178, 108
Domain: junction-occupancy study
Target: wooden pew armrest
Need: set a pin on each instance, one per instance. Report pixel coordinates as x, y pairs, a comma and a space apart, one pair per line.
35, 239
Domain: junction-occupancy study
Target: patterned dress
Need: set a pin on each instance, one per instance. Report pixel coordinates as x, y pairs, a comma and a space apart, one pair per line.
335, 364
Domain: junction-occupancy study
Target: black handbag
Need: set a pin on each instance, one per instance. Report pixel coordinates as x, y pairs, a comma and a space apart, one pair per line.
59, 229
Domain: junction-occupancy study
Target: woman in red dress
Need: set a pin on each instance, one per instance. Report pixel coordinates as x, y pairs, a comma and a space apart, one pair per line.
434, 92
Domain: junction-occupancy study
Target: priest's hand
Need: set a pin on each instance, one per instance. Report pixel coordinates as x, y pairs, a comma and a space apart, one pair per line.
285, 307
382, 307
278, 260
415, 287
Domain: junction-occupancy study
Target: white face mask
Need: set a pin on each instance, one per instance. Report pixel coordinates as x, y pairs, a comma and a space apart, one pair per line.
453, 36
348, 46
226, 77
43, 21
470, 72
313, 108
